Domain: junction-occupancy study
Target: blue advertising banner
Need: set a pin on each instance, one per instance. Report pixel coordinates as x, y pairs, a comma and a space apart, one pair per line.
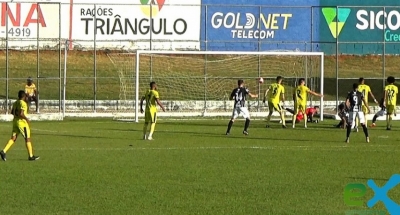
243, 26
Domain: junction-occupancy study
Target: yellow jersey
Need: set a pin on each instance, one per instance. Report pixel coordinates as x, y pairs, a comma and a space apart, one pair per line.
151, 96
30, 90
16, 111
301, 94
276, 91
365, 90
392, 92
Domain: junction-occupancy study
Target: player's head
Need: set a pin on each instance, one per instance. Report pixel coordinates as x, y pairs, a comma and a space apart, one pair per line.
279, 79
29, 81
361, 80
341, 106
355, 86
153, 85
302, 81
21, 95
316, 108
391, 79
240, 83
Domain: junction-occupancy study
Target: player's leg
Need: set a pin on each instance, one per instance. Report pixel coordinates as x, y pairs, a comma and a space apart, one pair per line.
34, 99
10, 143
365, 112
271, 110
303, 110
389, 116
294, 117
153, 115
352, 117
147, 120
361, 117
26, 133
279, 108
235, 114
380, 113
245, 112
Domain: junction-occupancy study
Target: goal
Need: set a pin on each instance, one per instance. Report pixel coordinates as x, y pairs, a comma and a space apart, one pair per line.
198, 83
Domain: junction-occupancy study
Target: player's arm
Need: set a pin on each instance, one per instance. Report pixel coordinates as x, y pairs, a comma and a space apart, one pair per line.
141, 104
253, 95
366, 105
385, 93
232, 97
265, 95
372, 95
22, 114
315, 94
159, 104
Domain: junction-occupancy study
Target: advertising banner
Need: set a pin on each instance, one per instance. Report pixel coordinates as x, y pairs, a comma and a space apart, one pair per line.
139, 24
361, 28
257, 25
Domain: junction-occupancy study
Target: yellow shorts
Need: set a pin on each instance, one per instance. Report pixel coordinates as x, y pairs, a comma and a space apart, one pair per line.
364, 109
300, 107
150, 116
390, 109
23, 129
274, 106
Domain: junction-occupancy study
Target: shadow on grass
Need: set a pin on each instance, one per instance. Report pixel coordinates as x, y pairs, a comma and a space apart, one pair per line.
83, 136
364, 178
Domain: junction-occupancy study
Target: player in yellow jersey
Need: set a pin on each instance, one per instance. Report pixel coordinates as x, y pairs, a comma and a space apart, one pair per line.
365, 90
277, 95
152, 99
21, 125
300, 100
32, 94
390, 99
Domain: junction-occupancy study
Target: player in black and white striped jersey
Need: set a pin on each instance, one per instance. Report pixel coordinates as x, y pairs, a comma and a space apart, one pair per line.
239, 95
354, 102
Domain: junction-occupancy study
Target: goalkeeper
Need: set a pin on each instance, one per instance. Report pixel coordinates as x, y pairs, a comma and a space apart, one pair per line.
344, 116
381, 112
310, 112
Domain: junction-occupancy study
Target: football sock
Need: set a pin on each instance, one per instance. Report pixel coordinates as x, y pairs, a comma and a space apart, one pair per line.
269, 118
282, 118
29, 148
145, 128
152, 127
294, 119
348, 130
8, 146
374, 119
356, 123
246, 124
229, 126
305, 120
365, 129
390, 120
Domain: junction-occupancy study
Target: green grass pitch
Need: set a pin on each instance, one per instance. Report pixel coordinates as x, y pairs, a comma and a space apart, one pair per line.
103, 167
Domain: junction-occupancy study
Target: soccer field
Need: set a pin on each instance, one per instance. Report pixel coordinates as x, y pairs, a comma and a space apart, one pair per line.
100, 166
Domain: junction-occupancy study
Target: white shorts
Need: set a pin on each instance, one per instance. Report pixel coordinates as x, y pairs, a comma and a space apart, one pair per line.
353, 115
240, 111
381, 113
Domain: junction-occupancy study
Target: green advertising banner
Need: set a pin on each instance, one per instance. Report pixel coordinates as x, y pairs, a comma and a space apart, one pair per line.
362, 29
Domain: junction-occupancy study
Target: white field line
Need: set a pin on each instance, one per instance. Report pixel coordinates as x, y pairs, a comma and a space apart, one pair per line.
373, 148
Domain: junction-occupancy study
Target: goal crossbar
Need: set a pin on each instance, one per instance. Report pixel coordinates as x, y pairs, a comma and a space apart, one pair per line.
274, 53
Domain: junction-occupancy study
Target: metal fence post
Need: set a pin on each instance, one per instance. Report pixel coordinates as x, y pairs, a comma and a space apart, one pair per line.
95, 61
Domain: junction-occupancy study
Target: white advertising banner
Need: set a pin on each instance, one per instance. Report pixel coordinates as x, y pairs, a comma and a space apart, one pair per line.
161, 24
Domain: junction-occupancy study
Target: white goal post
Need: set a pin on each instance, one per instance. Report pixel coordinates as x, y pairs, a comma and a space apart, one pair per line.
198, 83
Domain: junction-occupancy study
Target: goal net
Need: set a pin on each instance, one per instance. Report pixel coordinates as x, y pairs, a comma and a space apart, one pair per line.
199, 83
